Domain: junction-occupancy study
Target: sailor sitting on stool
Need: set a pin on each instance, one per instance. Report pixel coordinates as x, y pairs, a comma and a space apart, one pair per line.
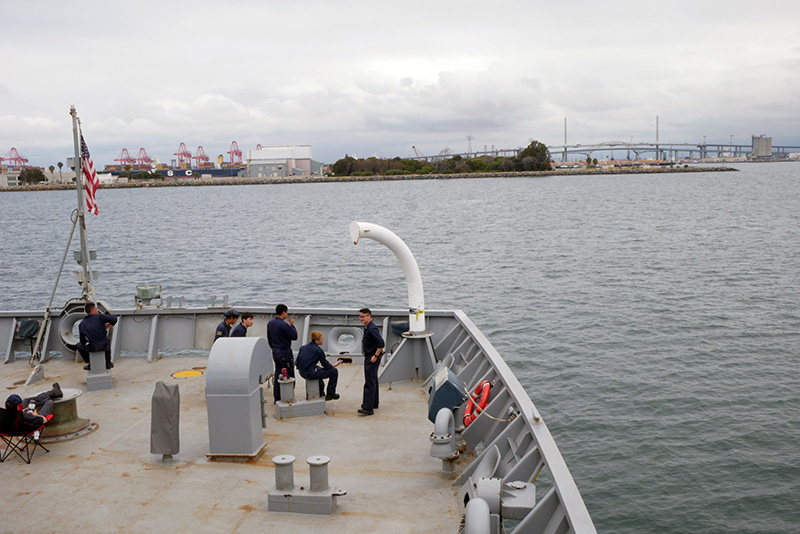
307, 359
93, 335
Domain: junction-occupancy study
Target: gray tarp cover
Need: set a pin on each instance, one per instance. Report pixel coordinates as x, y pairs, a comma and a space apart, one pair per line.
165, 420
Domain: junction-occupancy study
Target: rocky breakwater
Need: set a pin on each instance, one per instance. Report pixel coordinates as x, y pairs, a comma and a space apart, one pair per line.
194, 182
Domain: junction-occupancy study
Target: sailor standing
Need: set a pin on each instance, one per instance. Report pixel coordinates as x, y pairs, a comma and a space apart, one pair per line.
280, 335
240, 330
224, 328
372, 347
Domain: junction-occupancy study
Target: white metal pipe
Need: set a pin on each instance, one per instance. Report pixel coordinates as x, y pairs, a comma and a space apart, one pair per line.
416, 296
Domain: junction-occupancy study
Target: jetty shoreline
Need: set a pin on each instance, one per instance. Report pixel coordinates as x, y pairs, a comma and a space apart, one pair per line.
194, 182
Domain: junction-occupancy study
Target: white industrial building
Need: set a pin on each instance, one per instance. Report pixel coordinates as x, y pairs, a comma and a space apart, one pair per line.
282, 160
762, 147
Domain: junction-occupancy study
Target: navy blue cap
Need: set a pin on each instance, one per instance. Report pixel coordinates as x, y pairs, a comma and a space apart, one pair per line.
13, 400
231, 313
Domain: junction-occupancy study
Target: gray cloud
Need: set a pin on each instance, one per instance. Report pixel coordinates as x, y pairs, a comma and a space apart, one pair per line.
363, 78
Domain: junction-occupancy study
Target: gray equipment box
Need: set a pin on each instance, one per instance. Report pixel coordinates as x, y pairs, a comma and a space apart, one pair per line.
448, 392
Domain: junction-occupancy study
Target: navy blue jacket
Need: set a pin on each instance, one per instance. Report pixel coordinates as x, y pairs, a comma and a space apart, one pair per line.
309, 356
239, 330
280, 335
372, 340
223, 330
93, 333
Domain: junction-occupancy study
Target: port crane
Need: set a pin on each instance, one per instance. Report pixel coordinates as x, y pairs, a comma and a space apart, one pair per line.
142, 158
201, 158
125, 158
184, 156
15, 158
236, 154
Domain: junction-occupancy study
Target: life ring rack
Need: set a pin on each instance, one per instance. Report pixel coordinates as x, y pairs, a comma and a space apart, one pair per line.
475, 407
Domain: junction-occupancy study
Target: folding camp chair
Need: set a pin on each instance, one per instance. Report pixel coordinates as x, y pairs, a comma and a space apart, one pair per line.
24, 445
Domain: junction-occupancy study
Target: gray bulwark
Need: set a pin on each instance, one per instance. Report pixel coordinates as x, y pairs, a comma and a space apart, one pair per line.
236, 368
165, 420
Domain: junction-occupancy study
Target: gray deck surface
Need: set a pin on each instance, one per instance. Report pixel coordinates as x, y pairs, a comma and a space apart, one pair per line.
108, 481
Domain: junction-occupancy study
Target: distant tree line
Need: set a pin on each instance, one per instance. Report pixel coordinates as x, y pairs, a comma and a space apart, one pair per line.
536, 157
140, 175
31, 175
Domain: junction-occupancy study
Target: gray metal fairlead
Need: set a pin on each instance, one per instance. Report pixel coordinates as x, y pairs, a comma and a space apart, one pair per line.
236, 368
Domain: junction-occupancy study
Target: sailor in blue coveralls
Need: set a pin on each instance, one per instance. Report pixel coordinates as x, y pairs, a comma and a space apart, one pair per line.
372, 347
307, 359
280, 335
224, 328
240, 330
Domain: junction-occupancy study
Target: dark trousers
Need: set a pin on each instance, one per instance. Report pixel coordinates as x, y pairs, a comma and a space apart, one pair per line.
370, 401
281, 363
320, 373
85, 355
43, 402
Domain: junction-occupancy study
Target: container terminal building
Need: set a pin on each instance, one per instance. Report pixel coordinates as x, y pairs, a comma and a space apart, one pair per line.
281, 161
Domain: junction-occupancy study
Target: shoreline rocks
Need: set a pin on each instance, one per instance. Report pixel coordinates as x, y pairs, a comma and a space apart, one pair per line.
194, 182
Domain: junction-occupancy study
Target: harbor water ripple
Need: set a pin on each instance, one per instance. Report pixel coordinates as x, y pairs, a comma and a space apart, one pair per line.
653, 319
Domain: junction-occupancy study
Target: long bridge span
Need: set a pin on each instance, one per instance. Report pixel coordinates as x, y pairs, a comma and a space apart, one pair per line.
622, 150
617, 150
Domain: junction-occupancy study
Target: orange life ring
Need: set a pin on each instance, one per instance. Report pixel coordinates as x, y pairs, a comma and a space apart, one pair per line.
476, 407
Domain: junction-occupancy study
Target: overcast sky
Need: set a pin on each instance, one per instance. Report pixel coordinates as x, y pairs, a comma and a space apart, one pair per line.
374, 78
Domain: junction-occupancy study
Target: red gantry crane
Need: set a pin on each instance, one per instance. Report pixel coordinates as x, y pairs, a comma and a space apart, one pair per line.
15, 158
236, 154
143, 158
125, 158
184, 156
201, 158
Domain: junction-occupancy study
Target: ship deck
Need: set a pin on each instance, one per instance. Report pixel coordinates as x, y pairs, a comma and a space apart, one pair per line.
108, 481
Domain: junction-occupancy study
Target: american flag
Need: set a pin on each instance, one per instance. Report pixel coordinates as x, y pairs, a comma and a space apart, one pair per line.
90, 180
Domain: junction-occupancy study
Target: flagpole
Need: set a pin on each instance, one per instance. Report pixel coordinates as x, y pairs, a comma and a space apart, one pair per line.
86, 283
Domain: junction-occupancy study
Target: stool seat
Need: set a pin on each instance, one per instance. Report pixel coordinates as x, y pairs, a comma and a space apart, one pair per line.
312, 388
98, 377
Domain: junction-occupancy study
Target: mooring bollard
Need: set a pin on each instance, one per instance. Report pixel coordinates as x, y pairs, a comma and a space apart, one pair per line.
284, 472
318, 472
286, 383
316, 498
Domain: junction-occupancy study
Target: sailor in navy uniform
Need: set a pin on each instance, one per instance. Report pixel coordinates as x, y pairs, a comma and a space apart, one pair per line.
93, 334
372, 347
308, 359
224, 328
280, 335
240, 330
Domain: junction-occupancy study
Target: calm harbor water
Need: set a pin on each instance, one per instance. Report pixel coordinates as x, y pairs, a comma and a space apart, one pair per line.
653, 319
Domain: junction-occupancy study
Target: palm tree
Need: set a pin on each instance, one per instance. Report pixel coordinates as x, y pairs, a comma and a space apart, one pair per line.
52, 169
60, 178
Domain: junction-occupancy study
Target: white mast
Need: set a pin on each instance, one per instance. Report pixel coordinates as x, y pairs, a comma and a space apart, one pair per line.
85, 282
